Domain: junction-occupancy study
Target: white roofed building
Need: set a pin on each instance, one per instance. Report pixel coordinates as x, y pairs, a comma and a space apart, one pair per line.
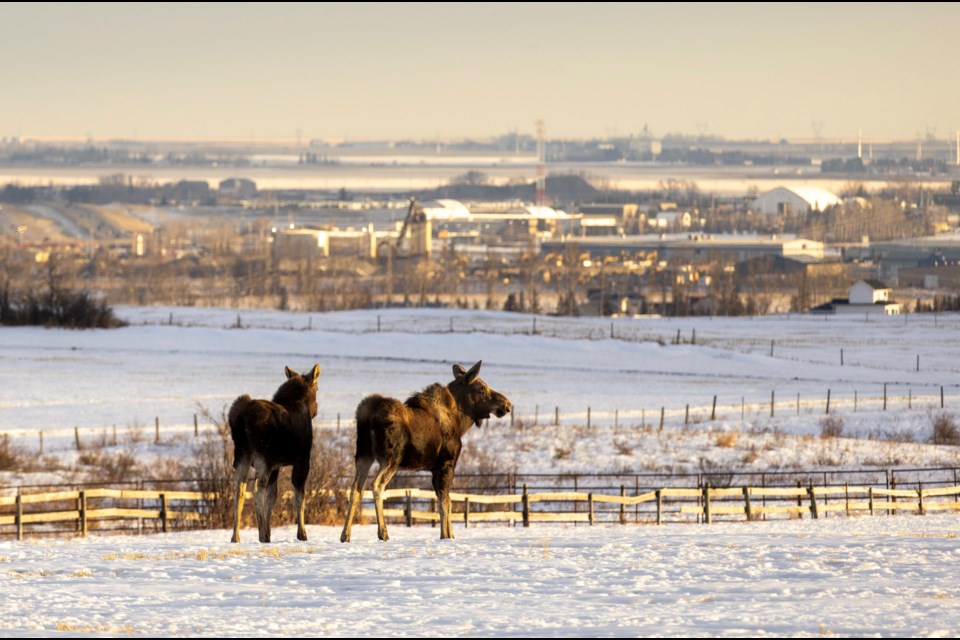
801, 199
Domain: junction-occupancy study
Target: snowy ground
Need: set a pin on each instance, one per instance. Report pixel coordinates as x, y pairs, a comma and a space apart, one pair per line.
129, 378
849, 576
880, 576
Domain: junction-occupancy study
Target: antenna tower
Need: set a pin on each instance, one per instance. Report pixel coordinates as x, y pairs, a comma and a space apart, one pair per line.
541, 172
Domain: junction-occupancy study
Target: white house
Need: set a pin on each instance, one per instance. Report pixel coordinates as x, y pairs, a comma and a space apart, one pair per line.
869, 292
801, 199
864, 297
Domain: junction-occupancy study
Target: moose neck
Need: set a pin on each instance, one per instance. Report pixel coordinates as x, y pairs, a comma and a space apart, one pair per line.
460, 398
290, 393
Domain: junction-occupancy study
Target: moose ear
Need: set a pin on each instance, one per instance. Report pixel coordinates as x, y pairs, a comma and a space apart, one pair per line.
315, 373
290, 372
472, 374
458, 371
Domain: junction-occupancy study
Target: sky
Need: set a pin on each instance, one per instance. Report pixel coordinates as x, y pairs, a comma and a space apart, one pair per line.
251, 71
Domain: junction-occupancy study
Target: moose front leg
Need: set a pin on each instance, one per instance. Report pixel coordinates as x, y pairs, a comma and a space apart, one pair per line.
442, 481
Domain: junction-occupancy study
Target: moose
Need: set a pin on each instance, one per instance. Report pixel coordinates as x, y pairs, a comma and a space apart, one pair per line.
272, 434
425, 433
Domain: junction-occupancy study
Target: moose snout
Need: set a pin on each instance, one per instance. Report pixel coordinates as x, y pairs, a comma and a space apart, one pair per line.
504, 408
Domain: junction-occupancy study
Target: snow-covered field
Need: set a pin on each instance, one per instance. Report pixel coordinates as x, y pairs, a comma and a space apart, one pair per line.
864, 576
129, 378
881, 576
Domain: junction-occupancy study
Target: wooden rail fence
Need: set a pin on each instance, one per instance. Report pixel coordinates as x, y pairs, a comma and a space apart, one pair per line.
187, 508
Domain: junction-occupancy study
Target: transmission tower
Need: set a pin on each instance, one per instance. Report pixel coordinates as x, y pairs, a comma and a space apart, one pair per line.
541, 171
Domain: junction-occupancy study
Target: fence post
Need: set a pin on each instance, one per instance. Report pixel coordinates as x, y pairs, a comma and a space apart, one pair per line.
923, 511
623, 507
707, 516
941, 396
659, 506
686, 415
408, 511
813, 502
588, 417
713, 411
870, 498
156, 439
41, 443
196, 427
82, 508
556, 416
526, 506
746, 500
884, 396
466, 512
661, 418
19, 516
590, 508
799, 501
163, 511
828, 401
771, 403
76, 437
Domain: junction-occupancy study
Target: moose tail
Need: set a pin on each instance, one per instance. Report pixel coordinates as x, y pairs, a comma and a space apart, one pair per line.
238, 430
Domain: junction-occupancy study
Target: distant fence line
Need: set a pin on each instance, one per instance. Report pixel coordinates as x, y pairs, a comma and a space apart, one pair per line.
828, 404
165, 509
580, 327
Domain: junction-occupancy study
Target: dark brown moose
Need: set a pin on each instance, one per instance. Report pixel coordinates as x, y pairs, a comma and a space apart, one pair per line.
269, 435
422, 433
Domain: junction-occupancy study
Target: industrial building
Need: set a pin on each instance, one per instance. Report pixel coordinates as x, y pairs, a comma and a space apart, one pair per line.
798, 199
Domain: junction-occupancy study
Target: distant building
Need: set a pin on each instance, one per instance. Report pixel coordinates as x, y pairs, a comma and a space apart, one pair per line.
188, 192
672, 220
300, 244
864, 297
802, 199
237, 189
932, 277
692, 248
608, 219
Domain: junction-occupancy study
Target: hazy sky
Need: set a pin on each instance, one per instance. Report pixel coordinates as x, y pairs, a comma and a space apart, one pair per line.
454, 70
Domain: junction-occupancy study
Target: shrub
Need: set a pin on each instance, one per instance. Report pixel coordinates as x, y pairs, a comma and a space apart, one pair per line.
831, 426
11, 457
945, 430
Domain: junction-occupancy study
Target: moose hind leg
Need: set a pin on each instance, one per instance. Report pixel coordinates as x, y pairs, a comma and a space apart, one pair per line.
243, 467
298, 478
384, 476
356, 494
269, 499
